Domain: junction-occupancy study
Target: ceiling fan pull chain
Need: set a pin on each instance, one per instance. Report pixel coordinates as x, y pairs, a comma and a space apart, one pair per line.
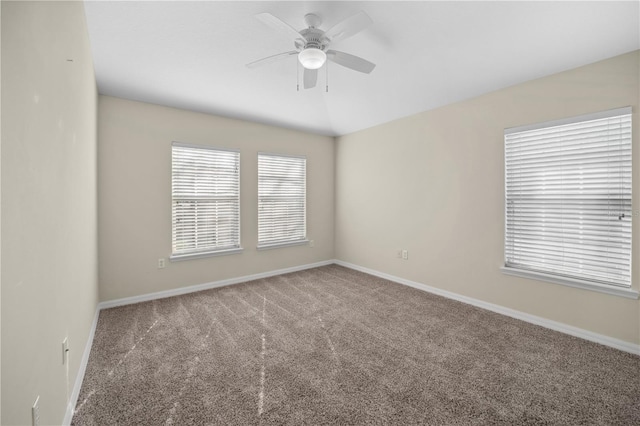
327, 79
297, 77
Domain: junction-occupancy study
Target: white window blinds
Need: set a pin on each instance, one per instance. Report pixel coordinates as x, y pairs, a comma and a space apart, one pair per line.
568, 198
206, 199
281, 199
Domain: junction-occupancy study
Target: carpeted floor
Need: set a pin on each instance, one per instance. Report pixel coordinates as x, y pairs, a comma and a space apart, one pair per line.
334, 346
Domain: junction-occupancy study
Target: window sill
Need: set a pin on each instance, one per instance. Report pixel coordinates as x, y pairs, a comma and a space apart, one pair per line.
571, 282
181, 257
285, 244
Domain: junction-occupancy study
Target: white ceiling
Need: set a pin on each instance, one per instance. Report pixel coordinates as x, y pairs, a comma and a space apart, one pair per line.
192, 55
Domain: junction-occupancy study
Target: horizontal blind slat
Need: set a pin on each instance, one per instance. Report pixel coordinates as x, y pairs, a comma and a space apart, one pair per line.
206, 199
281, 199
568, 199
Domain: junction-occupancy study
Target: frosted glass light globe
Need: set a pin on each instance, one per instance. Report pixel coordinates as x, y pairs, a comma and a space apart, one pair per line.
312, 58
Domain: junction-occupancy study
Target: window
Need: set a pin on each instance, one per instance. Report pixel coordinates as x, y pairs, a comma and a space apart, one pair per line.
281, 200
568, 201
205, 192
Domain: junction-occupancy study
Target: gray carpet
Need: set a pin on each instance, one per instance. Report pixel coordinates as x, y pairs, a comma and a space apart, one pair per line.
334, 346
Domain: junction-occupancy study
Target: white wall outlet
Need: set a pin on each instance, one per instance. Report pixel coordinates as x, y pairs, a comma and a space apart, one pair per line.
312, 243
161, 263
405, 254
65, 351
35, 412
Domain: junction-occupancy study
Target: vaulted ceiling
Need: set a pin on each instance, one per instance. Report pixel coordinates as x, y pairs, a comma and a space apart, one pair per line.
192, 55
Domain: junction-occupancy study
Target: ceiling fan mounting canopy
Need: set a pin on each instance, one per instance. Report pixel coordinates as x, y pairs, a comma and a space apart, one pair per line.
312, 20
312, 44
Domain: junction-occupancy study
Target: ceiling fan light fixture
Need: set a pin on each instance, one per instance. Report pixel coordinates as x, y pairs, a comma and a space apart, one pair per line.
312, 58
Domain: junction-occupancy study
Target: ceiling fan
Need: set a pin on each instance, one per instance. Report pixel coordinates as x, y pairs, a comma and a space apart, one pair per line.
312, 44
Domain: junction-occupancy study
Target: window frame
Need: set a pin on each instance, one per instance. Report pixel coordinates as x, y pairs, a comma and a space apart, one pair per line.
268, 245
207, 251
551, 276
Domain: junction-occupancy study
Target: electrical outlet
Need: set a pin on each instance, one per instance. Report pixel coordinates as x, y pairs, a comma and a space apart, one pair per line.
161, 263
65, 350
312, 243
35, 412
405, 254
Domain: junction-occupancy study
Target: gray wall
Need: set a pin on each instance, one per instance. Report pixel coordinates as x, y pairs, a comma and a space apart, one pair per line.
49, 223
433, 184
135, 196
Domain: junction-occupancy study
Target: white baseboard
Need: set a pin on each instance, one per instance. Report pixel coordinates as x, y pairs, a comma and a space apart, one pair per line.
68, 415
553, 325
207, 286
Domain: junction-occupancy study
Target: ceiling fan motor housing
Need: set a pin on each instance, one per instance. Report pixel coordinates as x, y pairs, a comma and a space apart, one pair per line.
314, 39
312, 54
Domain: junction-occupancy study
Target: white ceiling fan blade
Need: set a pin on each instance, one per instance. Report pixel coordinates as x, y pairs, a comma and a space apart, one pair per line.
310, 78
348, 27
270, 59
279, 25
353, 62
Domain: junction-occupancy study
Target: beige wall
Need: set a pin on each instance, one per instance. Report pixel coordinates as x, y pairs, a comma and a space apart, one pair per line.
433, 184
49, 213
430, 183
134, 175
